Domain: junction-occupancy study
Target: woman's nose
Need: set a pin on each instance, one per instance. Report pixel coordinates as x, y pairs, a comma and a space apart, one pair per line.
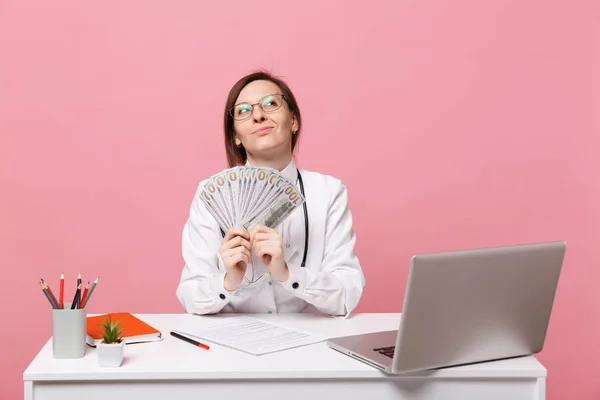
257, 113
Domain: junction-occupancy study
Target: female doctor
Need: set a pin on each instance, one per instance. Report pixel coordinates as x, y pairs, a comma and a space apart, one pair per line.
308, 263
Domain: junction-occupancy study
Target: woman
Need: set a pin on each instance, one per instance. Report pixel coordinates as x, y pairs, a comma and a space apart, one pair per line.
306, 264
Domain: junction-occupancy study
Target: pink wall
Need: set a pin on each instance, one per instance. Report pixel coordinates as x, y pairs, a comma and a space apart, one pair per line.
453, 124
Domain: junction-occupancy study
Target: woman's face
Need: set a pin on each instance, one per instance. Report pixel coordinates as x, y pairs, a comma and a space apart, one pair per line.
264, 132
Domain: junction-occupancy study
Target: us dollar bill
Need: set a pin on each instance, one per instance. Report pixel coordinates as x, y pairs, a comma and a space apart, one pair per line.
214, 208
284, 205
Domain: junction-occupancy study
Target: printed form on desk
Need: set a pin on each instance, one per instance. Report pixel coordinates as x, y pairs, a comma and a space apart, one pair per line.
249, 335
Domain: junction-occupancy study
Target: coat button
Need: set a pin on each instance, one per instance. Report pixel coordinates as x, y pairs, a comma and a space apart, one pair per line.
287, 245
222, 296
295, 285
270, 283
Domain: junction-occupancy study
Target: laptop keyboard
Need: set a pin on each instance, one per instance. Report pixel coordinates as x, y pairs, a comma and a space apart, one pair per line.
386, 351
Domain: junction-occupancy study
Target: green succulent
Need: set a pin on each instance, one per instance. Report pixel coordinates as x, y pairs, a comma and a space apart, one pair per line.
111, 331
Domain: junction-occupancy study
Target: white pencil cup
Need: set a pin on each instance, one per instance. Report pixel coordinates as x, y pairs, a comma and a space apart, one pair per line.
68, 332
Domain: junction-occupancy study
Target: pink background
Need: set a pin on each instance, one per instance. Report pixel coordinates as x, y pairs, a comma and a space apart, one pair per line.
454, 124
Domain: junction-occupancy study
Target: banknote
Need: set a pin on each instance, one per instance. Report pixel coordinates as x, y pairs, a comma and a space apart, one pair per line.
247, 195
232, 177
278, 209
222, 194
214, 207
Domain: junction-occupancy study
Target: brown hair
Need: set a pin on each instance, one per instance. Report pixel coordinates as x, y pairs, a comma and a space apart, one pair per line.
237, 155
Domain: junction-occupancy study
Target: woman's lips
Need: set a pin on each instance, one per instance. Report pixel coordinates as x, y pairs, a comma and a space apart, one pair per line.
263, 131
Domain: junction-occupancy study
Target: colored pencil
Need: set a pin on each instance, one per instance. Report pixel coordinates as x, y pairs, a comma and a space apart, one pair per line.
76, 297
79, 286
83, 297
54, 301
61, 295
91, 291
47, 295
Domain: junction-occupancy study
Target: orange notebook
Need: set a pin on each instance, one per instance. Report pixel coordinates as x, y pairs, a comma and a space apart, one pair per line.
134, 329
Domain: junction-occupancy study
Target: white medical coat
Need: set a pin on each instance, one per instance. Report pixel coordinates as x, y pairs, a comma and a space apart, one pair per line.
331, 282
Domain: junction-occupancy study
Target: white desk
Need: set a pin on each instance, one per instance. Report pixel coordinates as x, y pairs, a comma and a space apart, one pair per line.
174, 369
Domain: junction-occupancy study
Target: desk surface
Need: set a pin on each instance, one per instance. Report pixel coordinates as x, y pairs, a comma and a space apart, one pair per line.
174, 359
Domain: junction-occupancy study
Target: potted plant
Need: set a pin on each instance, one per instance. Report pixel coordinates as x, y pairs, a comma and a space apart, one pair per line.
112, 347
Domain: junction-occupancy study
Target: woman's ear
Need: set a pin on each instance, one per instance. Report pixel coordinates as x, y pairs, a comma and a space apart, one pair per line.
238, 143
295, 124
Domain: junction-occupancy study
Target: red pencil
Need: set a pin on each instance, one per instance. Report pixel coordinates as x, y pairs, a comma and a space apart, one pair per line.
61, 295
85, 292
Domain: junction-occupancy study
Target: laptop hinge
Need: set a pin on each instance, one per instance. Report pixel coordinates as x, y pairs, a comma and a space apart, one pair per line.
378, 366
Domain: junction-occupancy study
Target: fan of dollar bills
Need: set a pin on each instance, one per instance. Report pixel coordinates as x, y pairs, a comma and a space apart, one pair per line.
246, 196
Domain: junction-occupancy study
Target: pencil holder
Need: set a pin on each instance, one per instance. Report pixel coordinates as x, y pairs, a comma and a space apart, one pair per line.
68, 332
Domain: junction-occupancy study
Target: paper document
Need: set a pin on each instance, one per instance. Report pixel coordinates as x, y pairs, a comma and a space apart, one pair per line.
250, 335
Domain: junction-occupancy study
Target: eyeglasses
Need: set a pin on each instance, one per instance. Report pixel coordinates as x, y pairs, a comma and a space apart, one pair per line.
268, 104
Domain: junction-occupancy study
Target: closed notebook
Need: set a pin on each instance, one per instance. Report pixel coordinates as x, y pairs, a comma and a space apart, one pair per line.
134, 329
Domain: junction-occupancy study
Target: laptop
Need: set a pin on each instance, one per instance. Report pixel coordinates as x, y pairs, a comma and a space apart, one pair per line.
466, 306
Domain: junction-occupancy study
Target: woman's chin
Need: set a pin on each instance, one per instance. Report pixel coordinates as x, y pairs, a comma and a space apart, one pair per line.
268, 147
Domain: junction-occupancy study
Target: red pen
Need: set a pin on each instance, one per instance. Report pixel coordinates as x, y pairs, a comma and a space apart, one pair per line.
192, 341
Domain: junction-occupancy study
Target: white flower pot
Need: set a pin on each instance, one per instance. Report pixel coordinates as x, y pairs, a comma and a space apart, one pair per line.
111, 355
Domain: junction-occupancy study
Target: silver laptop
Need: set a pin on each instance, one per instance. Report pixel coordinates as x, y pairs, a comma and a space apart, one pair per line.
467, 306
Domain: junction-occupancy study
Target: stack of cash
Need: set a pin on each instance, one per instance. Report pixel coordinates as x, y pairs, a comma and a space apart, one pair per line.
246, 196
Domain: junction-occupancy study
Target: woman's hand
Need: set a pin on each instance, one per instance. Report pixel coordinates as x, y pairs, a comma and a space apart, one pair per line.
235, 252
268, 245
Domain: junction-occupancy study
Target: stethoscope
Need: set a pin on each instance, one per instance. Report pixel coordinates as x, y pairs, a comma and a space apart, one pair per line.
305, 232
